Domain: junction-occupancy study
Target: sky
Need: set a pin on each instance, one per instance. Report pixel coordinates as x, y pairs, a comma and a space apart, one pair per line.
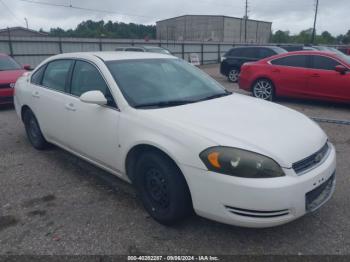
286, 15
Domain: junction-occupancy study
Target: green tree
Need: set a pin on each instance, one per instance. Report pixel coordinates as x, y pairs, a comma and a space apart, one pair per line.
281, 37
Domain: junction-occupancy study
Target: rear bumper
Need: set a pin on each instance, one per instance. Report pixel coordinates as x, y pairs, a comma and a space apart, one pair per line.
6, 96
261, 202
244, 82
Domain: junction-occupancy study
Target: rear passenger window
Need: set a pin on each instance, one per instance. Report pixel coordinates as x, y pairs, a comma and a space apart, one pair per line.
56, 73
249, 52
293, 61
38, 76
324, 63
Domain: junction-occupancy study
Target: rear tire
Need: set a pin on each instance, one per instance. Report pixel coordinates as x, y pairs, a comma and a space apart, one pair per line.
33, 131
264, 89
162, 188
233, 75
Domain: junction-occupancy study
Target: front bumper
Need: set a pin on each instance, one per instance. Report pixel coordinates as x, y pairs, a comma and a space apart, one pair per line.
260, 202
6, 96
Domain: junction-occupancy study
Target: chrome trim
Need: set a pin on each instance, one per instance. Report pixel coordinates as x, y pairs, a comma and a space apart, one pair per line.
316, 165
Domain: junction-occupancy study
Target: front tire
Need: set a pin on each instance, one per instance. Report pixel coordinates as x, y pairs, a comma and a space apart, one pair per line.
233, 75
162, 188
33, 131
264, 89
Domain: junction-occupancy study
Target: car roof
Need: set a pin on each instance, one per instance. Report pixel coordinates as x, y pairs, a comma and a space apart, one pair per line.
114, 55
307, 52
256, 46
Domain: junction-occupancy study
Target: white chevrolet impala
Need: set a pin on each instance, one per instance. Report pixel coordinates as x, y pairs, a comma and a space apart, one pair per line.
183, 141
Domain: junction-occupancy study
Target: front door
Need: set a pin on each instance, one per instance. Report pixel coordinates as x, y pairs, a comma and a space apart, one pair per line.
326, 83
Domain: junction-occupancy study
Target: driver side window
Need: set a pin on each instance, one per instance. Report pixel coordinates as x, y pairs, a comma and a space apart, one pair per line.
87, 78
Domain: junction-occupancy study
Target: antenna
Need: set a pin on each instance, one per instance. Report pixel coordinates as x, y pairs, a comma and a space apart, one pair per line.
25, 19
314, 28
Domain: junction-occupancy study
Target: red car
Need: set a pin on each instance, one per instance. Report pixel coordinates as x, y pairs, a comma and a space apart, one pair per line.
10, 71
303, 74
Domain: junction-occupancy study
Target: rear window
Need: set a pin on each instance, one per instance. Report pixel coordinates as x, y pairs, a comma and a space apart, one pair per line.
7, 64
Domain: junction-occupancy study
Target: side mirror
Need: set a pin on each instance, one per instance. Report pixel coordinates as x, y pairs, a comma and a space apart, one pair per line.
94, 97
27, 67
341, 69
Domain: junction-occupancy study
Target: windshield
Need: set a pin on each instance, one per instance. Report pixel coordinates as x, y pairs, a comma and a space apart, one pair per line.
7, 63
163, 82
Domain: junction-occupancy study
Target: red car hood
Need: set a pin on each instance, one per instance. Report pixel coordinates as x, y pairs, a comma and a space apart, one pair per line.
7, 77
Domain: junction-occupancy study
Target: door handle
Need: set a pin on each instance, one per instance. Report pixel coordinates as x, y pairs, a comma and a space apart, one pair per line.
70, 107
315, 75
35, 94
276, 71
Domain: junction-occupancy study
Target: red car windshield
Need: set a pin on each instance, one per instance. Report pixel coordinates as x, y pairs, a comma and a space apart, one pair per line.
7, 63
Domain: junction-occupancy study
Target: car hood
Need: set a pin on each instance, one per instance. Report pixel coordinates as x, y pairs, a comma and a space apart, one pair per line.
11, 76
248, 123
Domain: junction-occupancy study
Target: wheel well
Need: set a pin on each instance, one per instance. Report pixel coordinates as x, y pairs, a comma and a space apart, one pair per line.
23, 110
136, 152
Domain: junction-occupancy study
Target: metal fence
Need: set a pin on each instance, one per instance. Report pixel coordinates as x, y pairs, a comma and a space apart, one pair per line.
33, 50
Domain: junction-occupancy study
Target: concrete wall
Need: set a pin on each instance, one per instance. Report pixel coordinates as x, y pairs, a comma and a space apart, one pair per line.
191, 28
213, 28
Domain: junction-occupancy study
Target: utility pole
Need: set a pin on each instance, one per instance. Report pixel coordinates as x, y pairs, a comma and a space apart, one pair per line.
25, 19
245, 21
314, 29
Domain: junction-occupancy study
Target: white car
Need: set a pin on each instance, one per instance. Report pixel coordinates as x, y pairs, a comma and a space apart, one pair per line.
179, 137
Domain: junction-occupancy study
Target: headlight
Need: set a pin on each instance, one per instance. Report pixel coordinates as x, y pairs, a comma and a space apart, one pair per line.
240, 163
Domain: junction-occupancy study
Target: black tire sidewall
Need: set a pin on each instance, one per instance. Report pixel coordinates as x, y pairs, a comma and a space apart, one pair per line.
228, 75
180, 200
39, 143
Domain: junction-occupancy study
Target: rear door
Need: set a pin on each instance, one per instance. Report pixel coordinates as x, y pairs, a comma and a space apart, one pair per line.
326, 83
49, 91
290, 74
92, 129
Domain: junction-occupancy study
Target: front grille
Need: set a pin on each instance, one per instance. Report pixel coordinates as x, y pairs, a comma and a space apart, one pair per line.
3, 86
6, 99
256, 213
311, 161
317, 197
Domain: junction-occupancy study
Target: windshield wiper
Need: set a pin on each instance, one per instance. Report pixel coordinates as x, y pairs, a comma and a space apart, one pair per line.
165, 104
180, 102
227, 93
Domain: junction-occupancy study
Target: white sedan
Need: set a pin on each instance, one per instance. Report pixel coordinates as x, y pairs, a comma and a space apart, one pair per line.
183, 141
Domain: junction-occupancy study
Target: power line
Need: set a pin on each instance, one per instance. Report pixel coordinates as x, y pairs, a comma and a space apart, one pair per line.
314, 28
81, 8
13, 14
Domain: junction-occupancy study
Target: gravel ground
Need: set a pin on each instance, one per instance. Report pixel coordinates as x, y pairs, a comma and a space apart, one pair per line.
54, 203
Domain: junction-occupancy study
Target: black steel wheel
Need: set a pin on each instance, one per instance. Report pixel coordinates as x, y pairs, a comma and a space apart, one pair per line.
162, 188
